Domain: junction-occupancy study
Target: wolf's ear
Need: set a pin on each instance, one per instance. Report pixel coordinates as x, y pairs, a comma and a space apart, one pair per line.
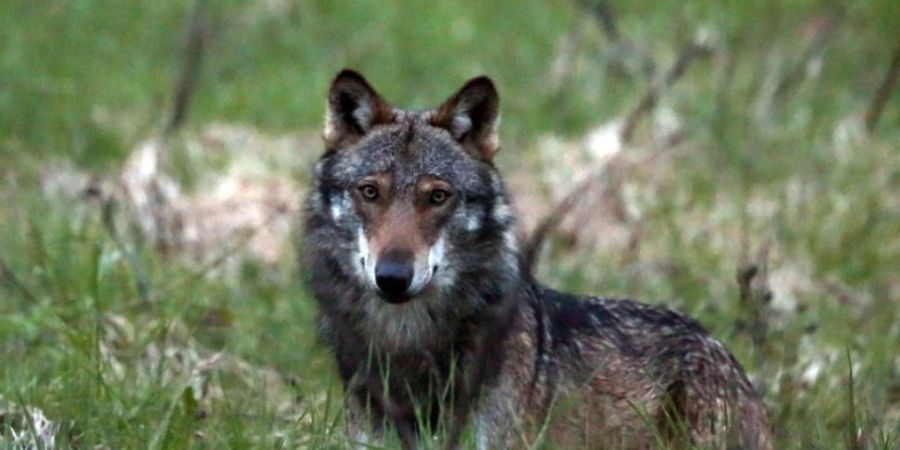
353, 108
471, 117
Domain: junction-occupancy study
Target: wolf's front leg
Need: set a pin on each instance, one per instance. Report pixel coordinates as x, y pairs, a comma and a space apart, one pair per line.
370, 416
362, 428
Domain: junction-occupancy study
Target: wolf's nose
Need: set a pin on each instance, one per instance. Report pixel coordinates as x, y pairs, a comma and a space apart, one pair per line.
393, 279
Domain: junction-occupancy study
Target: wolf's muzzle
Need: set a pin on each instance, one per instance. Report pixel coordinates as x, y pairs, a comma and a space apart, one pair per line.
394, 275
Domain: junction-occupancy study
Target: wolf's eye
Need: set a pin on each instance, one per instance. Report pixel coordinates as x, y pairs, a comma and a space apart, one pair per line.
439, 196
369, 192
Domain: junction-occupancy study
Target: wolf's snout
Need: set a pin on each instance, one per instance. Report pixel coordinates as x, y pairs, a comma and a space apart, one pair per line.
393, 277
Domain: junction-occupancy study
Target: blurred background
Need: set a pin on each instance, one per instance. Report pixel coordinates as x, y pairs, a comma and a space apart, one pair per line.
737, 161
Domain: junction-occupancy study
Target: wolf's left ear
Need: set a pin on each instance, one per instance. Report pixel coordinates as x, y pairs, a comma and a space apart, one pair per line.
471, 117
353, 108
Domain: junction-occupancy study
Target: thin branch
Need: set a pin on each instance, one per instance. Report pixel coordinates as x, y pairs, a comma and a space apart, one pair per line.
8, 277
883, 94
824, 29
531, 251
141, 280
853, 439
242, 239
691, 53
609, 179
604, 15
754, 300
196, 34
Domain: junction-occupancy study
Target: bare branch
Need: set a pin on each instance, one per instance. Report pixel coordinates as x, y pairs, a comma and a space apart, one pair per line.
604, 14
876, 107
822, 29
196, 34
755, 297
241, 240
8, 277
531, 251
142, 282
692, 52
627, 50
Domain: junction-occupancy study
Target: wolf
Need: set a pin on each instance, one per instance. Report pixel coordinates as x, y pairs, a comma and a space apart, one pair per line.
438, 328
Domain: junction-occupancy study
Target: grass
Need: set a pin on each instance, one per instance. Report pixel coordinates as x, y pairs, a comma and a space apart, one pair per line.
217, 356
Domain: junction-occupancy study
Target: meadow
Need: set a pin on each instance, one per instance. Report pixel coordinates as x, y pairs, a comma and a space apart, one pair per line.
737, 161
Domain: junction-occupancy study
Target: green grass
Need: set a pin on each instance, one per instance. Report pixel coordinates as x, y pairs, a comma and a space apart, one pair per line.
82, 82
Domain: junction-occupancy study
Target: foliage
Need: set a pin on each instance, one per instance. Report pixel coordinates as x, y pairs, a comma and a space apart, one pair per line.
227, 358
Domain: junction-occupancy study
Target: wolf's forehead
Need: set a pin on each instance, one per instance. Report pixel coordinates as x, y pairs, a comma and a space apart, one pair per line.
408, 152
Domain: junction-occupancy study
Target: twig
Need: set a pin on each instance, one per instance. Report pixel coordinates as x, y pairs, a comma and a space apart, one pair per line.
609, 177
876, 107
745, 277
244, 237
604, 15
140, 178
531, 251
196, 34
565, 65
853, 441
9, 278
602, 11
692, 52
824, 29
755, 295
141, 281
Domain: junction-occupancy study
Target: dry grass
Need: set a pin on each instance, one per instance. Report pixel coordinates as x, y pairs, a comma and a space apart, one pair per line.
150, 292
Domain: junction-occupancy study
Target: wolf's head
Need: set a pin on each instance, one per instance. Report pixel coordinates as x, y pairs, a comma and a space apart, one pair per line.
408, 209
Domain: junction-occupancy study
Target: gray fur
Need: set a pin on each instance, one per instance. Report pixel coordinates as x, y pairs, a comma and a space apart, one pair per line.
483, 345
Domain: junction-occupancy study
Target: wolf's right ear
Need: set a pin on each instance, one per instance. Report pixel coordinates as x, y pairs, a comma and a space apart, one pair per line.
353, 108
